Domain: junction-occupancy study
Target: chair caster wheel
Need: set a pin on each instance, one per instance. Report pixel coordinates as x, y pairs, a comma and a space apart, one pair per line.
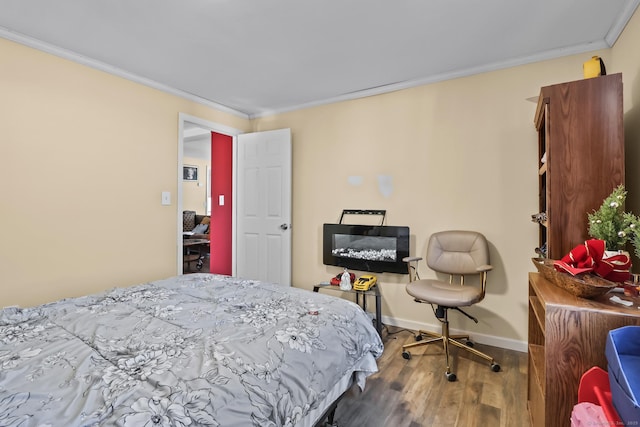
469, 343
406, 355
419, 337
451, 377
495, 367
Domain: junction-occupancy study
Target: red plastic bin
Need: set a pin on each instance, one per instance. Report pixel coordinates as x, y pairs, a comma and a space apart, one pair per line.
594, 388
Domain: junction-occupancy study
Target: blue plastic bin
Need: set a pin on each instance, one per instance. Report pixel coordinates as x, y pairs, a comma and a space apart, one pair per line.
623, 356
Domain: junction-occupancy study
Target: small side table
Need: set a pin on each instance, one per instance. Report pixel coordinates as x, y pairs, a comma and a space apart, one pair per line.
373, 291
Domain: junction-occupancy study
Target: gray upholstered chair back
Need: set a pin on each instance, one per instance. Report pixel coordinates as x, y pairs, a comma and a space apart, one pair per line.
457, 252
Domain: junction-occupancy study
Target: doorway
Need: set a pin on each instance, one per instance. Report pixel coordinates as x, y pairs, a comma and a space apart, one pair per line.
195, 144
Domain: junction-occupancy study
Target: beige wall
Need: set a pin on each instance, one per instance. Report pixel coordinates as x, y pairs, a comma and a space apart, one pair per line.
461, 154
194, 193
98, 150
85, 157
626, 60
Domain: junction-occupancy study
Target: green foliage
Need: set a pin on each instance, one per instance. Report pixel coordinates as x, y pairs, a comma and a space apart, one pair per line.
610, 222
634, 227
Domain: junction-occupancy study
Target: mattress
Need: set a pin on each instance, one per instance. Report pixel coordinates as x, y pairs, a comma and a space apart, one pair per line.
190, 350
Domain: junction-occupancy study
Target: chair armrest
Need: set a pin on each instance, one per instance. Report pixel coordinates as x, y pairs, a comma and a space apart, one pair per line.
485, 267
411, 258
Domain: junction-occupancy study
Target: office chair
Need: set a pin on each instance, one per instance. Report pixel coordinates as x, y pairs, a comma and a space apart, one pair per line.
456, 253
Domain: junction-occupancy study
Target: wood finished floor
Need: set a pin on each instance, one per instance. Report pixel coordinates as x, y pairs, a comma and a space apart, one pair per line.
414, 393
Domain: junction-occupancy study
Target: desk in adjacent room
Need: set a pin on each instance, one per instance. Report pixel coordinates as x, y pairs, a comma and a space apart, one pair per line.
373, 291
194, 251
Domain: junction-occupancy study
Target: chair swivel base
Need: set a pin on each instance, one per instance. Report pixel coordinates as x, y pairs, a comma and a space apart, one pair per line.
446, 340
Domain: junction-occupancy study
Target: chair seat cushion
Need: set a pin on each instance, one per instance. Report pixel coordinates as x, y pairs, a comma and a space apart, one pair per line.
444, 293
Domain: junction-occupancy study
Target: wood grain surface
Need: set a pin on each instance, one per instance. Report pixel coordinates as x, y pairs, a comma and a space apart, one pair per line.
415, 392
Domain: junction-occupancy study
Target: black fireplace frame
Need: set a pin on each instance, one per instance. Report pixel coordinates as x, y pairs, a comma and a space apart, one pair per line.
400, 234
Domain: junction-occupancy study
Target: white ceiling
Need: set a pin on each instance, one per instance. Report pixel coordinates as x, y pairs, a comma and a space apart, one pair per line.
197, 141
256, 57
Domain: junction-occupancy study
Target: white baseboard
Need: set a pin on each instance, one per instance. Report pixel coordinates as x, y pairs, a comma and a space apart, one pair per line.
492, 340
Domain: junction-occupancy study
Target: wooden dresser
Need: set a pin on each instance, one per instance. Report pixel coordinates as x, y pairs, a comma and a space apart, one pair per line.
567, 336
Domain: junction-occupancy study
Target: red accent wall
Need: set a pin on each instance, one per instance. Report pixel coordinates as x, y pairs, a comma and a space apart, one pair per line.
221, 218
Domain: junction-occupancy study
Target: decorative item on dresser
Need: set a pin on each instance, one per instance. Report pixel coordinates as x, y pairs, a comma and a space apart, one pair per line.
582, 285
580, 157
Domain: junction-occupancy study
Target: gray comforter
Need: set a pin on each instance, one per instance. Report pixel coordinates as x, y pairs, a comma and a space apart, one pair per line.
186, 351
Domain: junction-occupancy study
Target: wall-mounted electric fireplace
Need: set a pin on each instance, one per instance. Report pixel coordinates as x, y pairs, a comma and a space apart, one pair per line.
374, 248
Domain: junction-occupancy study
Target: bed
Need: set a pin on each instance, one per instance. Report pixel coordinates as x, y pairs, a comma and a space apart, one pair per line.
191, 350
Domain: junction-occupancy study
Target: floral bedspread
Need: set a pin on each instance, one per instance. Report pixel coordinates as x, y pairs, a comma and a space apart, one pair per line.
193, 350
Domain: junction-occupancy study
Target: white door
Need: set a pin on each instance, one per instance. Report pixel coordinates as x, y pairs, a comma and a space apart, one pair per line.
263, 244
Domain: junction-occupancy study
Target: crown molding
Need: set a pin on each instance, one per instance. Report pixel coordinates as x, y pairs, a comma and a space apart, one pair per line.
379, 90
98, 65
617, 28
607, 42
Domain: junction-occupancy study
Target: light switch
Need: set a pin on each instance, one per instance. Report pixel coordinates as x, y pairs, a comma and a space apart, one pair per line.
166, 198
221, 200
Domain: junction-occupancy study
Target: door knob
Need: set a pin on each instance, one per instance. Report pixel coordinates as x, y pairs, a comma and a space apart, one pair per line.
284, 226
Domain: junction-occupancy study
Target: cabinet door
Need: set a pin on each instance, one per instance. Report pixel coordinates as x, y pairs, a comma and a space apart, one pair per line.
581, 131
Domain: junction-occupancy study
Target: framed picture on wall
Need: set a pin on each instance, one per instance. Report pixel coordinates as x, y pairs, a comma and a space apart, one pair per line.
190, 173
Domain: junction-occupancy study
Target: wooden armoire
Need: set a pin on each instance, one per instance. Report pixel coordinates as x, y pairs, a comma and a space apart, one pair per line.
580, 156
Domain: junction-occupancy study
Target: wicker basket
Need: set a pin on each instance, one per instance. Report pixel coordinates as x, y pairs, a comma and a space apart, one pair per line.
582, 285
